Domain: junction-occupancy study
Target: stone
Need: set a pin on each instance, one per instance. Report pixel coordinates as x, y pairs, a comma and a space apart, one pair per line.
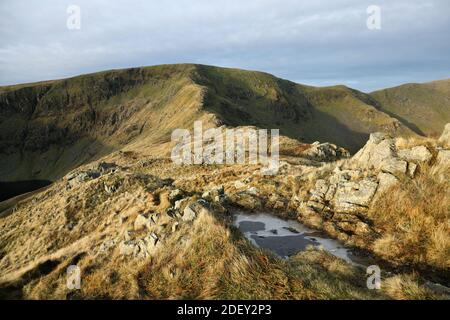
442, 165
443, 158
105, 167
416, 154
175, 195
379, 148
326, 152
140, 222
385, 181
127, 248
412, 168
189, 213
179, 203
444, 139
394, 166
110, 188
239, 184
253, 191
83, 176
354, 196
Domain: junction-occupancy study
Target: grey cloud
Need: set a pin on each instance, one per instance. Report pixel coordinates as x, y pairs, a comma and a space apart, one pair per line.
313, 42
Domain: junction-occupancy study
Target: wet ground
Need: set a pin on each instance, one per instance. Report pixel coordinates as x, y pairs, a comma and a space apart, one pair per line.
288, 237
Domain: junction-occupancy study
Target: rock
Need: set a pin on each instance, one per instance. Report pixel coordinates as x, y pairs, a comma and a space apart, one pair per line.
110, 188
140, 222
443, 158
179, 203
378, 148
445, 137
253, 191
175, 226
380, 153
416, 154
83, 176
394, 166
105, 167
215, 194
189, 213
412, 168
175, 195
442, 165
127, 248
385, 181
239, 184
107, 245
326, 152
352, 197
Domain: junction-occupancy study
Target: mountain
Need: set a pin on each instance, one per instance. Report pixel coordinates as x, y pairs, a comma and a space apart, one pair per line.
129, 223
424, 108
48, 128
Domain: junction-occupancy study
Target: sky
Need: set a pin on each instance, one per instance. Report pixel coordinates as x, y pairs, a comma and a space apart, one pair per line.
321, 42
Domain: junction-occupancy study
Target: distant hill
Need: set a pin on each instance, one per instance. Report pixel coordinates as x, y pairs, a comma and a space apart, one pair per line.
424, 108
50, 127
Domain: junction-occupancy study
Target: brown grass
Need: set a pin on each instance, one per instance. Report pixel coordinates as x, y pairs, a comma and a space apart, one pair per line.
414, 217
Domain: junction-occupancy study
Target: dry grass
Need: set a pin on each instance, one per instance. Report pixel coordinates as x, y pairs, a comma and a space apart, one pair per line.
407, 287
414, 217
216, 263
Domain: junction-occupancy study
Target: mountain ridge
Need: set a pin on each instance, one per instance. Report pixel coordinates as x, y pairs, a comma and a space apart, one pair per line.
50, 127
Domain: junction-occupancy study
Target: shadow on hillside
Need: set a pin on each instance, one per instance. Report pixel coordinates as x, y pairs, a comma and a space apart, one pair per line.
405, 122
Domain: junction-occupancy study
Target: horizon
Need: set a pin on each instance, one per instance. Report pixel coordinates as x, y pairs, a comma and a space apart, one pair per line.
319, 44
189, 63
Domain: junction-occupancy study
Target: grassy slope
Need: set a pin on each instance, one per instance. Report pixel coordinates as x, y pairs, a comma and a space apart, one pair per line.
51, 127
337, 114
425, 108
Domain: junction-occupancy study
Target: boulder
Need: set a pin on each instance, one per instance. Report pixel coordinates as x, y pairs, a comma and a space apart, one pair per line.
379, 148
215, 194
239, 184
105, 167
353, 197
127, 248
385, 181
445, 137
416, 154
188, 213
325, 152
140, 222
380, 153
175, 195
179, 203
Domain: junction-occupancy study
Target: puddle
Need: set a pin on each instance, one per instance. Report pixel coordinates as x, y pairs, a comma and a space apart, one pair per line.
288, 237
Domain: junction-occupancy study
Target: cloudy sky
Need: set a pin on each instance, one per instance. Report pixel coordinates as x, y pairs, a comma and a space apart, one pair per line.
322, 42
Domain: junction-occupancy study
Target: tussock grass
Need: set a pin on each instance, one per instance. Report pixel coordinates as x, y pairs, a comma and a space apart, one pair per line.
414, 217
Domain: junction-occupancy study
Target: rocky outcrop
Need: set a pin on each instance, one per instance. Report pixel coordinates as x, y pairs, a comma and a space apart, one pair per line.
380, 153
326, 152
445, 137
344, 195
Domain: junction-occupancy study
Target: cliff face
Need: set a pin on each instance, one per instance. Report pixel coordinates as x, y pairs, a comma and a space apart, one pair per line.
47, 129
